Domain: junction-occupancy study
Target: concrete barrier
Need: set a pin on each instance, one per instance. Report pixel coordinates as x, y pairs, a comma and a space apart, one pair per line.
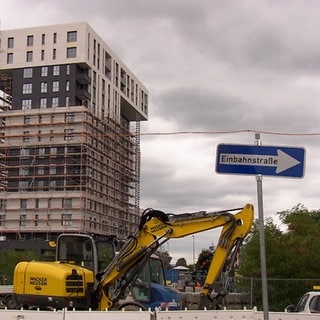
231, 315
6, 314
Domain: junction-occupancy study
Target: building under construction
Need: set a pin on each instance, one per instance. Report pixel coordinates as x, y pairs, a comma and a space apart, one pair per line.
69, 135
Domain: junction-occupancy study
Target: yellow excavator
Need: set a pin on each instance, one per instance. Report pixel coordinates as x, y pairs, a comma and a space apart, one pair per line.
86, 275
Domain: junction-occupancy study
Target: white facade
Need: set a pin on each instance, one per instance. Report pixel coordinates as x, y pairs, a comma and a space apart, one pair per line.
78, 43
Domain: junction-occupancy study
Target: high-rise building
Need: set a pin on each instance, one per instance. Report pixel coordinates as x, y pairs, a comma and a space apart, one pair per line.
69, 134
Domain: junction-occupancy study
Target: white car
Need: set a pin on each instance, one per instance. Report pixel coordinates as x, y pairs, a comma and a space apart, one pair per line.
308, 303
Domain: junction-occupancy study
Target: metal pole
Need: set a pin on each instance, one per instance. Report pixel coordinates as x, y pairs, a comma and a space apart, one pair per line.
251, 292
262, 242
194, 253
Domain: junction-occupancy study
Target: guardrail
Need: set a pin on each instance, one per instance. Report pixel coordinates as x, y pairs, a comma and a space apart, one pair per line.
148, 315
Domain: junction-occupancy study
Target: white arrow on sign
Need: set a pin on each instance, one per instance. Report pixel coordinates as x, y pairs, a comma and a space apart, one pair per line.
282, 161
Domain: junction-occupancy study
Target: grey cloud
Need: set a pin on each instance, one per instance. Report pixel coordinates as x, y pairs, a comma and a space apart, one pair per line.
207, 110
202, 109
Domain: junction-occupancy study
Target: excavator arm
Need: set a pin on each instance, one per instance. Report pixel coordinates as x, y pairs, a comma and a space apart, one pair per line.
154, 230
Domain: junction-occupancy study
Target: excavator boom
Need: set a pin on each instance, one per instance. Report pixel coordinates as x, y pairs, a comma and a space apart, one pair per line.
154, 230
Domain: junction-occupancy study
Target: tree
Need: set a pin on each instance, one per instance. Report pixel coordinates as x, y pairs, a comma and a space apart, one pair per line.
181, 262
204, 259
9, 259
291, 253
165, 258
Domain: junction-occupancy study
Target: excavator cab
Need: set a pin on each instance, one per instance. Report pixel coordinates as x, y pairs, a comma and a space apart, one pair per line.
85, 251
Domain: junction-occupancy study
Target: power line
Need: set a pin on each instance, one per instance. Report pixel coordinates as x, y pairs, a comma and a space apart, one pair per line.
169, 133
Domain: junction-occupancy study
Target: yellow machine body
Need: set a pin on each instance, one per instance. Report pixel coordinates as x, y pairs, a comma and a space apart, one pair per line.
60, 284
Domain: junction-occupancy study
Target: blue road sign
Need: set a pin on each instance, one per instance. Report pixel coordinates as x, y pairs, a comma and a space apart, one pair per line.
264, 160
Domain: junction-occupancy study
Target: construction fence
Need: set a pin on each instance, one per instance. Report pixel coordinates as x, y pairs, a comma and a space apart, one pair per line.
281, 292
246, 292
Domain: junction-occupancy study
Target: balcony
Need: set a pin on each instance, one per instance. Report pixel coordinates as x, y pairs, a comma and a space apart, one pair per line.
83, 78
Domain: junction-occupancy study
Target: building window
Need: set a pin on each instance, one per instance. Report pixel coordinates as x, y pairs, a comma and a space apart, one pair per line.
27, 88
3, 204
72, 36
26, 120
66, 219
42, 55
24, 171
23, 219
55, 102
44, 71
55, 86
29, 56
55, 37
72, 52
67, 85
44, 87
23, 203
68, 134
27, 73
9, 58
26, 136
53, 170
43, 103
67, 203
2, 219
26, 104
54, 54
41, 151
67, 101
23, 185
68, 69
10, 43
41, 170
53, 184
69, 117
29, 41
43, 39
56, 70
24, 152
40, 185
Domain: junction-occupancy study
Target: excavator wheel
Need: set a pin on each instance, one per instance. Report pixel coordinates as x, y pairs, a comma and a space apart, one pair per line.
10, 303
132, 306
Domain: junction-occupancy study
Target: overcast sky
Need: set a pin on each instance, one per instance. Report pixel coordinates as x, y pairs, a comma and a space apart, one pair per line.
219, 71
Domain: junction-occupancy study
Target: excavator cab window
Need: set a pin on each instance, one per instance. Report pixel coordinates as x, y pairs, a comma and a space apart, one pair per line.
141, 290
156, 271
106, 253
77, 250
152, 272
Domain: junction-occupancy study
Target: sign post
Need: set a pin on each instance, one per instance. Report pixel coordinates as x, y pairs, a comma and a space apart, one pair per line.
261, 160
263, 263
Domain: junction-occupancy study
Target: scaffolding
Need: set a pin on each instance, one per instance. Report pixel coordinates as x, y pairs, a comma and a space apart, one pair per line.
67, 171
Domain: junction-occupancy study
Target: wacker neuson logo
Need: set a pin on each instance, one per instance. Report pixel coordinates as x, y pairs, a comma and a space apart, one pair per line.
38, 281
